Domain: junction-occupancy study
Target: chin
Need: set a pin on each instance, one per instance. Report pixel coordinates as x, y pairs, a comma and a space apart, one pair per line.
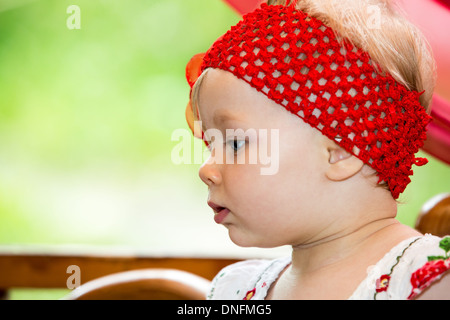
251, 241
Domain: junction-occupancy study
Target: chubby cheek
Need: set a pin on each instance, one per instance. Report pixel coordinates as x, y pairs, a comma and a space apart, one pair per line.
264, 211
272, 210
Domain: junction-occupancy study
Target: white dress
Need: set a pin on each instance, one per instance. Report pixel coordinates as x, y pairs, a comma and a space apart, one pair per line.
403, 273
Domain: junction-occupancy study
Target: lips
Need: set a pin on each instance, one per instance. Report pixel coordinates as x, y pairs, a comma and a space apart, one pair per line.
220, 212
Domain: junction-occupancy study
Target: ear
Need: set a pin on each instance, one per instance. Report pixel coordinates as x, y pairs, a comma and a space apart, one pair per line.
342, 164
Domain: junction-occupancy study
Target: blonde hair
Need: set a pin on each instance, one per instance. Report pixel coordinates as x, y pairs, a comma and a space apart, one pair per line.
396, 45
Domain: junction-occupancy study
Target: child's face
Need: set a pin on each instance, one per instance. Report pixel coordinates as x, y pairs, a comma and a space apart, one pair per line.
283, 208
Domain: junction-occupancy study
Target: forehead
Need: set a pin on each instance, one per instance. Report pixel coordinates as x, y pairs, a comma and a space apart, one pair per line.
222, 96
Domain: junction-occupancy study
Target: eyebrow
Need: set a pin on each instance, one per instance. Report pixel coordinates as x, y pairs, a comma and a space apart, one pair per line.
221, 117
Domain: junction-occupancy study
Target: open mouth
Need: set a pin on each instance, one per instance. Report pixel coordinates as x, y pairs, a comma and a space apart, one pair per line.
215, 207
220, 213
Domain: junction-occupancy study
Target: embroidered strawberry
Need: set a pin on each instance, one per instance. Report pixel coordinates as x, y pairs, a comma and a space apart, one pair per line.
382, 284
249, 295
431, 271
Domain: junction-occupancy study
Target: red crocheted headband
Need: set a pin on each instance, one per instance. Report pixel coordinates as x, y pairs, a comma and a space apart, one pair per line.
297, 61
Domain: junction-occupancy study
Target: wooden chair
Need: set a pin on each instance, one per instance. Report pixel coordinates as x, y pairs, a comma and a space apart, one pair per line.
434, 217
147, 284
121, 273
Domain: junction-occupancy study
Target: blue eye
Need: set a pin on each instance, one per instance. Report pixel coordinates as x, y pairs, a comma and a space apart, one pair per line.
236, 144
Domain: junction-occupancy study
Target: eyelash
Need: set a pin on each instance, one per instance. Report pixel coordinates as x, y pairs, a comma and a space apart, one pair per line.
232, 144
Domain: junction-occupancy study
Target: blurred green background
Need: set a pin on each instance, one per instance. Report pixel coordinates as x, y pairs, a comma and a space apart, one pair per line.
86, 118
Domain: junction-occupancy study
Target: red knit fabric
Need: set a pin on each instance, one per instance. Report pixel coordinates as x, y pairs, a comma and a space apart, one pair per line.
297, 61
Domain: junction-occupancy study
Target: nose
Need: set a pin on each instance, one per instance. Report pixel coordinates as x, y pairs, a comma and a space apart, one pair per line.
209, 173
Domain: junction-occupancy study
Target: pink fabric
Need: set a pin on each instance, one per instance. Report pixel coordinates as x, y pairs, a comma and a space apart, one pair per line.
243, 6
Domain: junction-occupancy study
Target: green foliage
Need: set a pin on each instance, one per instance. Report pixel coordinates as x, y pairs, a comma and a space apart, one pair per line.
104, 98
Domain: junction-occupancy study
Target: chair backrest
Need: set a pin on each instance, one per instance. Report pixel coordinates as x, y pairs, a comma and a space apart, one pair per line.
434, 217
146, 284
